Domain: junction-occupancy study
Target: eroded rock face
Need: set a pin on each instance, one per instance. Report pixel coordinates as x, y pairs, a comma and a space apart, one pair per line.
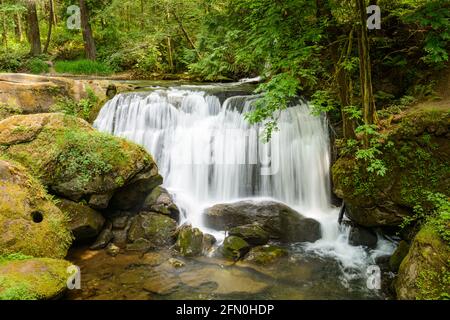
423, 274
85, 223
78, 163
30, 223
416, 154
33, 279
277, 219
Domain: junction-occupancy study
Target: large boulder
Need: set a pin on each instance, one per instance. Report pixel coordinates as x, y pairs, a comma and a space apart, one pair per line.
425, 271
84, 222
76, 162
30, 222
360, 236
156, 229
416, 156
277, 219
32, 278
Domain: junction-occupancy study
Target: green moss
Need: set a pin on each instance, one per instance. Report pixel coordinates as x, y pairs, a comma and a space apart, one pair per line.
234, 247
33, 279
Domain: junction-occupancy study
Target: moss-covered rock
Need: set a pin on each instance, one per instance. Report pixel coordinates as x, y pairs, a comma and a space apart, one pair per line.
30, 222
416, 153
160, 201
75, 161
29, 278
189, 241
84, 222
264, 255
7, 110
252, 233
399, 254
158, 229
425, 271
234, 247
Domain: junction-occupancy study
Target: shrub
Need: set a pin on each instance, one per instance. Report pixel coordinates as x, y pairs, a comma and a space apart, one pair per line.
36, 66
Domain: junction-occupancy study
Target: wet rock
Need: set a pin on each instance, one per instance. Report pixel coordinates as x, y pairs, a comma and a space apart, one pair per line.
277, 219
296, 228
190, 241
85, 223
208, 242
30, 222
234, 247
251, 233
104, 238
264, 255
33, 279
176, 263
112, 250
398, 255
158, 229
140, 244
160, 201
360, 236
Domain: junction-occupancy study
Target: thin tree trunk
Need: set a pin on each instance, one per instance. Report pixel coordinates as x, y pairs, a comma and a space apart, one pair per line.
50, 26
18, 27
368, 100
53, 10
34, 36
169, 50
4, 29
89, 43
142, 15
186, 35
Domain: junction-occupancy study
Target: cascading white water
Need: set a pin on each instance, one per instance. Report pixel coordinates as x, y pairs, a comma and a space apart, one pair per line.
208, 153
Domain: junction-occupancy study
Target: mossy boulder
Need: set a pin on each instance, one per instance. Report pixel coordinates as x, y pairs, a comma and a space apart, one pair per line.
234, 247
75, 161
30, 222
189, 241
264, 255
158, 229
254, 234
399, 254
84, 222
7, 110
416, 154
425, 271
32, 278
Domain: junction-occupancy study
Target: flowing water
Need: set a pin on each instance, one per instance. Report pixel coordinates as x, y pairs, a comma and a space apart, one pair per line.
208, 153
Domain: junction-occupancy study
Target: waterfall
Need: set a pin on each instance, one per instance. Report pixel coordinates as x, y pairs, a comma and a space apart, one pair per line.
208, 153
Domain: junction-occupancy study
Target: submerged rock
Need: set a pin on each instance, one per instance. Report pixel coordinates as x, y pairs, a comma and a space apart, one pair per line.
296, 228
251, 233
30, 222
33, 278
76, 162
264, 255
234, 247
424, 272
85, 223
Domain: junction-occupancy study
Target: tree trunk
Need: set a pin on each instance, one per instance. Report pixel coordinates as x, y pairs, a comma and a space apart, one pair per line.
368, 101
186, 35
89, 43
34, 36
4, 29
50, 26
18, 27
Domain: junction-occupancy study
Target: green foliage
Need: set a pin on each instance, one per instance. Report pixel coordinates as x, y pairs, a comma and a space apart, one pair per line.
37, 66
81, 109
83, 67
434, 285
13, 257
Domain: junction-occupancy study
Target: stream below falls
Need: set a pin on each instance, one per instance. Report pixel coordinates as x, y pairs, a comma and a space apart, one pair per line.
209, 154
